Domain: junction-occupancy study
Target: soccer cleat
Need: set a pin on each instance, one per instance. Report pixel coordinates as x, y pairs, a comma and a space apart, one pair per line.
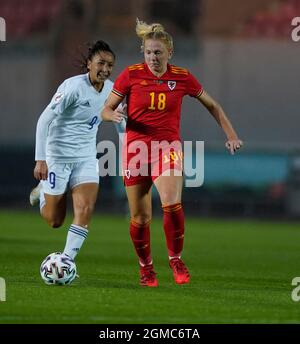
148, 276
34, 197
180, 271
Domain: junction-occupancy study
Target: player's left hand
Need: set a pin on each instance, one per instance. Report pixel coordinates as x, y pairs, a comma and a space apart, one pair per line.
233, 145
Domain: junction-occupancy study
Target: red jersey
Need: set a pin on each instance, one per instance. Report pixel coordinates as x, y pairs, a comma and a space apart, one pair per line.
154, 104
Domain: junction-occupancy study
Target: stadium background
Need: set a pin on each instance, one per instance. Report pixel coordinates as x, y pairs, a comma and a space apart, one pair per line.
242, 53
241, 266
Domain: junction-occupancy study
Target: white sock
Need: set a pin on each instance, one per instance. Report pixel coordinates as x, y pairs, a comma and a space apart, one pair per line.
75, 238
142, 264
174, 257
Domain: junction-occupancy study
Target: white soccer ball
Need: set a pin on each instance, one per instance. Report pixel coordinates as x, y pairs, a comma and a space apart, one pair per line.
58, 268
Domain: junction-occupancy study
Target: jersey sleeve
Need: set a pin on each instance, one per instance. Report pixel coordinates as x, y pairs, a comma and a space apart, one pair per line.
62, 99
42, 129
193, 87
122, 84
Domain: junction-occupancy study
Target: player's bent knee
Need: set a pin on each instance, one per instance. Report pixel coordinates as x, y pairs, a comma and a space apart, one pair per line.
55, 223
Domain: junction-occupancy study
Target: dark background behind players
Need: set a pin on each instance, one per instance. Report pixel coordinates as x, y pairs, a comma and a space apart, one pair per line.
244, 55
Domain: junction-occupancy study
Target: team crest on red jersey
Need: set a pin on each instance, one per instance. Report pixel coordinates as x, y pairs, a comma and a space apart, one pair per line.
127, 174
171, 85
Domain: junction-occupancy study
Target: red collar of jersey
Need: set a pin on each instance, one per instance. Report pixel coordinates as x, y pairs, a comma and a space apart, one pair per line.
153, 75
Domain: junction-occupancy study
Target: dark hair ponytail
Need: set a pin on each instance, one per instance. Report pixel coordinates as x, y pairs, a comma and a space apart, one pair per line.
93, 49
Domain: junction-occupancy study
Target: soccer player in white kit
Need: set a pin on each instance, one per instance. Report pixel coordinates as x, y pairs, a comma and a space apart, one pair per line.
66, 146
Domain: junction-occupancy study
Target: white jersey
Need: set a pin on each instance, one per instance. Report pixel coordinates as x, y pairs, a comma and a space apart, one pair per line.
77, 106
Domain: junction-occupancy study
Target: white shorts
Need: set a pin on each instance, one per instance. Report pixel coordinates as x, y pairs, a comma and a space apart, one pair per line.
62, 175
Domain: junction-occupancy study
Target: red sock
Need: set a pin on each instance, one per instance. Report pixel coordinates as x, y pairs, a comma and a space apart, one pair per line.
140, 236
174, 228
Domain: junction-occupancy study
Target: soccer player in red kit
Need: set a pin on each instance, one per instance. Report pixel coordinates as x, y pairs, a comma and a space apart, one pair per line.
154, 91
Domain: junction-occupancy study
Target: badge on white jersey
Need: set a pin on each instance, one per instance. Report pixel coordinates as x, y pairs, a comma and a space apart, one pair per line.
58, 97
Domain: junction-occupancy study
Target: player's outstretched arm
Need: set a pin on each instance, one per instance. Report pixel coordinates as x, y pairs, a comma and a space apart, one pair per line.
110, 112
233, 143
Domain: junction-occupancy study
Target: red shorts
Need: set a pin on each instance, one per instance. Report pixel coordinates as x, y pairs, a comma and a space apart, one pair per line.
144, 162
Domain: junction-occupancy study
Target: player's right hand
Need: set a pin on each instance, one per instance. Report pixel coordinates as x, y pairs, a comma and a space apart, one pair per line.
119, 114
40, 171
233, 145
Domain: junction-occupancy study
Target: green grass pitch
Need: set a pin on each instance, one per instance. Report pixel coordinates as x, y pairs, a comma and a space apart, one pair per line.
241, 273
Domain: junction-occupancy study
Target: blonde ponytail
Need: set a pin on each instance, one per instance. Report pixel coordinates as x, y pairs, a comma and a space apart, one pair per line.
155, 31
143, 29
